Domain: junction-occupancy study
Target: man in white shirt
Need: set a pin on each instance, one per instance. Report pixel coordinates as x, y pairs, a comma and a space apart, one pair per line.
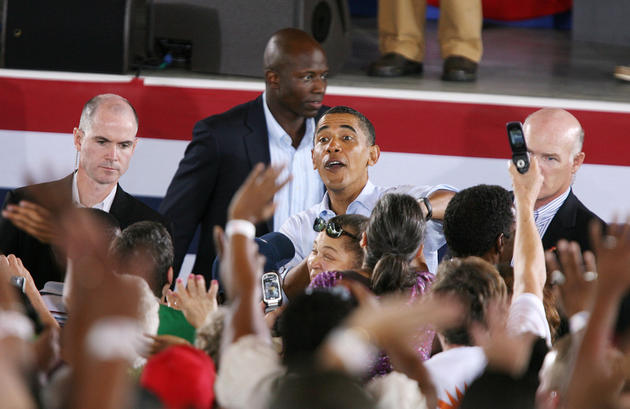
556, 137
344, 148
105, 141
275, 128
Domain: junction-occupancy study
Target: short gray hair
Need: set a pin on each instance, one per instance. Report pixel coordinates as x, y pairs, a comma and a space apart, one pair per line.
579, 142
90, 107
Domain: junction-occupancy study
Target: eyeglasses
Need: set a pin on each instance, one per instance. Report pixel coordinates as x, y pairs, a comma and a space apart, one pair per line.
333, 229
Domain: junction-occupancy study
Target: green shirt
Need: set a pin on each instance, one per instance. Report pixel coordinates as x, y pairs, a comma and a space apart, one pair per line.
173, 322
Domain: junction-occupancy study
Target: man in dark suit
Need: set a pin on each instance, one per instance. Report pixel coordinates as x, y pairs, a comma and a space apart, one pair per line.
556, 137
276, 128
105, 141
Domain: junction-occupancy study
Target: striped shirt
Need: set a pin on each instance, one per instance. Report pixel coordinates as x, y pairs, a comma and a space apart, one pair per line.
306, 188
545, 214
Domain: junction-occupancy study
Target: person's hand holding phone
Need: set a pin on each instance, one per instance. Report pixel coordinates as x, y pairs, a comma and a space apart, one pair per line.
516, 137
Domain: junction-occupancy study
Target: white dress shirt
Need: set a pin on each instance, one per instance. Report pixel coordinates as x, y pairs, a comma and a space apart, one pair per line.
105, 205
306, 188
299, 228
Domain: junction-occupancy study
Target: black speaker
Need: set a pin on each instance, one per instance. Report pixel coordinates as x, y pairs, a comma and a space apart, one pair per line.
68, 35
229, 37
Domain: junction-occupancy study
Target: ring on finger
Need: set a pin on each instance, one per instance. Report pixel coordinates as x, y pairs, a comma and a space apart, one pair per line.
557, 278
590, 276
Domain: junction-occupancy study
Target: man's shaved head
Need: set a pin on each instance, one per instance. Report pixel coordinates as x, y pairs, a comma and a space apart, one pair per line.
555, 137
558, 121
286, 43
296, 76
112, 102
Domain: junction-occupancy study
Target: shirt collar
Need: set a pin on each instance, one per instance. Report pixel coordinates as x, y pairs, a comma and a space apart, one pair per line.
277, 132
367, 199
105, 205
554, 205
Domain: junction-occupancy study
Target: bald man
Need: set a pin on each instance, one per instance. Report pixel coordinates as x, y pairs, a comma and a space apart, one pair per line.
555, 137
275, 128
105, 141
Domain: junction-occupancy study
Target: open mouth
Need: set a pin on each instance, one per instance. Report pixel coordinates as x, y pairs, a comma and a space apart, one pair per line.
334, 164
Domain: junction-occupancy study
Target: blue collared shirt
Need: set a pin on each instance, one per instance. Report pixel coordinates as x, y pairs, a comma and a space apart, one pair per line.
545, 214
306, 187
299, 228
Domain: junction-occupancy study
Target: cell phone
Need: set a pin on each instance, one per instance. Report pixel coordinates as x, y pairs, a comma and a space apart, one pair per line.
520, 157
272, 294
18, 282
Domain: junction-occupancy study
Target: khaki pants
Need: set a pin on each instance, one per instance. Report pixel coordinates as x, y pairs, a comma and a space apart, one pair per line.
401, 28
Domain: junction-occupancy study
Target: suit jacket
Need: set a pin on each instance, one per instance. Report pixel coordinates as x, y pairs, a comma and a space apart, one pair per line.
223, 150
571, 223
38, 257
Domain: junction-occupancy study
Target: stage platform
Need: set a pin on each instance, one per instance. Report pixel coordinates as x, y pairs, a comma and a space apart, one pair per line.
516, 62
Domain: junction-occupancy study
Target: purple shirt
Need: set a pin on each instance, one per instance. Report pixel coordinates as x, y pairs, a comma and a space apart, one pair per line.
382, 366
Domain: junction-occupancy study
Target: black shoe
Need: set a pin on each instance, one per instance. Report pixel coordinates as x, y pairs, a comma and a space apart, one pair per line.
394, 65
458, 68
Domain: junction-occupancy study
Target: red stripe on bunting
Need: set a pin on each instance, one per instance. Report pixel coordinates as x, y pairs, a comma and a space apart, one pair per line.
427, 127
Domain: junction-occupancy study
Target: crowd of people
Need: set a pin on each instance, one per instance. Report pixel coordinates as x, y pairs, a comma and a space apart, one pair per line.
373, 297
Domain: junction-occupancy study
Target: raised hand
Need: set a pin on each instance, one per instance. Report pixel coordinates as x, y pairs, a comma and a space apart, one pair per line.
8, 295
34, 220
193, 300
12, 266
241, 263
613, 256
529, 257
505, 350
395, 318
574, 276
254, 199
97, 292
596, 379
526, 185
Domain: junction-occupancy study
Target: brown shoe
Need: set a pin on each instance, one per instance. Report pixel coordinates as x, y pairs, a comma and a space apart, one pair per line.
457, 68
622, 72
394, 65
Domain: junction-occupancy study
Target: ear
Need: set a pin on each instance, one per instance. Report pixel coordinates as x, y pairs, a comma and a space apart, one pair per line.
165, 289
420, 255
420, 251
77, 135
169, 275
363, 241
577, 161
500, 244
374, 154
313, 159
272, 79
